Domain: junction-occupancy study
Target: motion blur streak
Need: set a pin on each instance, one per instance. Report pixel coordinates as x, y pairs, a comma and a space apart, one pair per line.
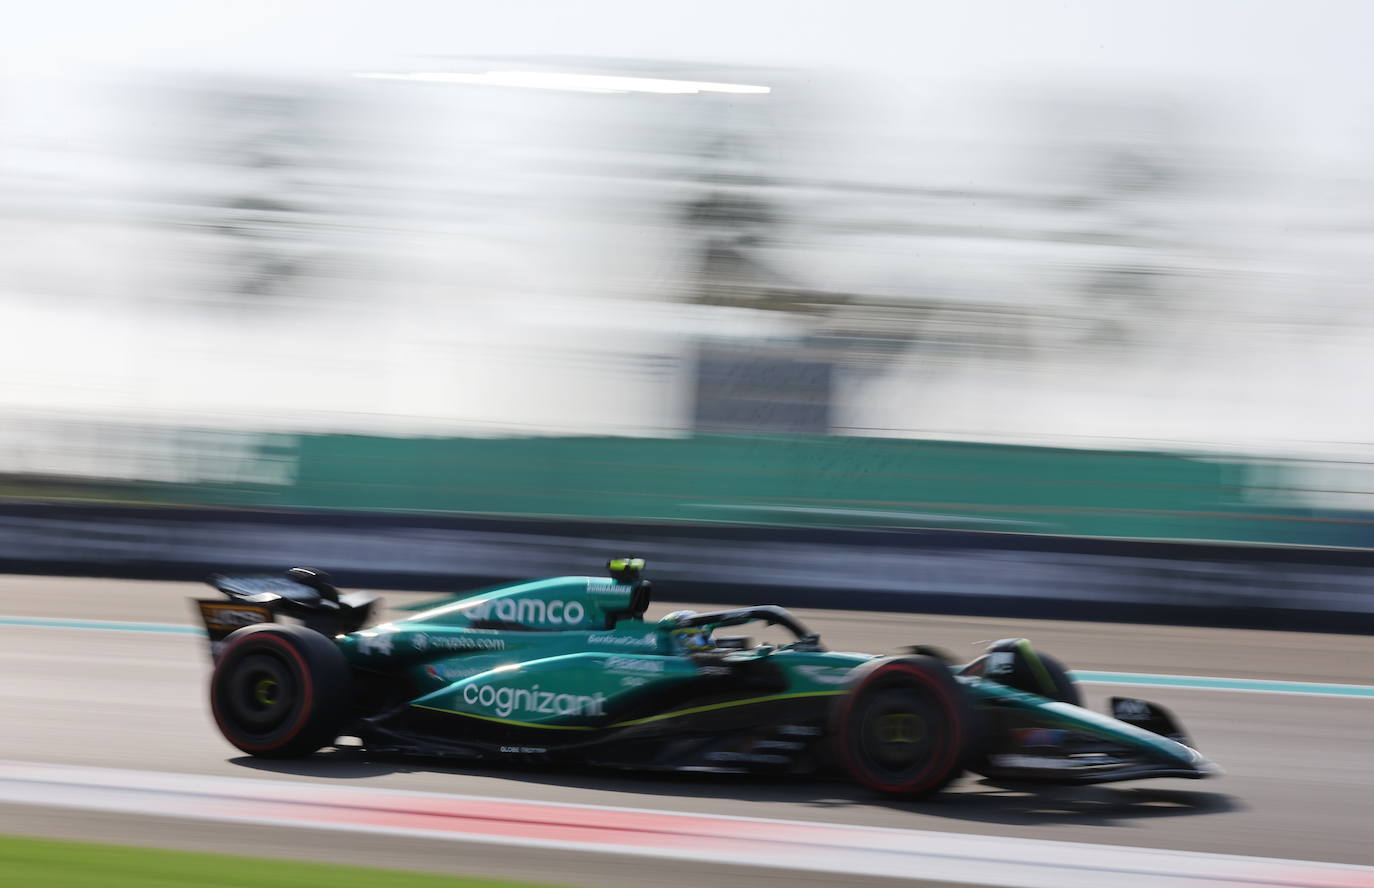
828, 847
576, 82
1189, 682
1283, 752
893, 240
1051, 309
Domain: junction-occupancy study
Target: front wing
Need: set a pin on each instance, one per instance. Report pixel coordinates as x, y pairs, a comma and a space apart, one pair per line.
1034, 738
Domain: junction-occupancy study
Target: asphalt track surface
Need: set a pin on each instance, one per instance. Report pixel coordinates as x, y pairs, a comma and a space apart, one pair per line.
1299, 782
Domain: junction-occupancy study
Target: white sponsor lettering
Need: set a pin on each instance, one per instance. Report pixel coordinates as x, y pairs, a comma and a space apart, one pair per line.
528, 611
371, 643
506, 700
423, 642
831, 675
634, 664
451, 674
596, 585
230, 617
649, 640
1131, 710
999, 663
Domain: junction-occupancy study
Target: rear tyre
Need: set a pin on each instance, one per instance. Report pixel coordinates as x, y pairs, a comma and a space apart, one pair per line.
280, 691
906, 727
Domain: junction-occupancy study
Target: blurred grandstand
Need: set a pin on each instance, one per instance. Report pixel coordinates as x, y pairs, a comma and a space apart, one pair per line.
208, 273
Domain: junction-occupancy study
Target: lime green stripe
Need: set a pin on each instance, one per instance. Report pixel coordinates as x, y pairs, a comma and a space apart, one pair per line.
505, 721
64, 864
726, 705
637, 721
1037, 666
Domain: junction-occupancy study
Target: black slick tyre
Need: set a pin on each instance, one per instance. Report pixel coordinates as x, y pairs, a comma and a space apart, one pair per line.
905, 728
280, 691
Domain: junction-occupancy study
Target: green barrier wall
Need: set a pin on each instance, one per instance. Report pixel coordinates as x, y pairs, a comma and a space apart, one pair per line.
789, 481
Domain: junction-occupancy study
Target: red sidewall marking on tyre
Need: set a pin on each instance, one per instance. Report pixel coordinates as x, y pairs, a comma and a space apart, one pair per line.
951, 748
306, 682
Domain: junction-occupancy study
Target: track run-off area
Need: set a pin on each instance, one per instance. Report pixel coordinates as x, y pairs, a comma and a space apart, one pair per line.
106, 735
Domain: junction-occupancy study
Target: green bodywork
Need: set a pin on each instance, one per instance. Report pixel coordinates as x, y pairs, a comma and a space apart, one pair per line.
565, 656
571, 672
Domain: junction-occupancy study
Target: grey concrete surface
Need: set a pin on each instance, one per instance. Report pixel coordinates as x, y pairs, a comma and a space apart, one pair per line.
1299, 782
1120, 647
535, 865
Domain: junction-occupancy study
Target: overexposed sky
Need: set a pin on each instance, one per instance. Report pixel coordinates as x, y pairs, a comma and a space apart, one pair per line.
1305, 65
1292, 81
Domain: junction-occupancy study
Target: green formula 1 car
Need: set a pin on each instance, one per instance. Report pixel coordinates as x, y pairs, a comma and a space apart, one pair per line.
569, 669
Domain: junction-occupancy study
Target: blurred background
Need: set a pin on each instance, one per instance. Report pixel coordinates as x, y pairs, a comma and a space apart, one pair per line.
1077, 269
1049, 318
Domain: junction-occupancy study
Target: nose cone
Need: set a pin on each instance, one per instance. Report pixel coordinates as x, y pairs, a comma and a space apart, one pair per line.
1200, 764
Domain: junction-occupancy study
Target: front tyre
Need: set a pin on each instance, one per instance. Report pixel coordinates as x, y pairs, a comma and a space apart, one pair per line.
280, 691
905, 728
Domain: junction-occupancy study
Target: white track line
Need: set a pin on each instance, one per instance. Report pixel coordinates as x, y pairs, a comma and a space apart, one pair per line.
819, 847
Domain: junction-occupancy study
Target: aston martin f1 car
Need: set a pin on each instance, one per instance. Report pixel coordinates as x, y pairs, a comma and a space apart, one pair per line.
569, 670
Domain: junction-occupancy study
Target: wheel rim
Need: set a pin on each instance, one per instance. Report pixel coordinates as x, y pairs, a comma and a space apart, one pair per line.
899, 734
263, 693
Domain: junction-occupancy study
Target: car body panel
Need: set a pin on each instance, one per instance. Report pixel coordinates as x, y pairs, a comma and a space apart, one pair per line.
567, 669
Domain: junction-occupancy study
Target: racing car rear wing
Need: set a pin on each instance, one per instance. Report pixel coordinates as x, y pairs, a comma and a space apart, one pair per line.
303, 595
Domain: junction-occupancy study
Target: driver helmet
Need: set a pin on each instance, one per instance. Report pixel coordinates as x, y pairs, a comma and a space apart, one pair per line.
691, 638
